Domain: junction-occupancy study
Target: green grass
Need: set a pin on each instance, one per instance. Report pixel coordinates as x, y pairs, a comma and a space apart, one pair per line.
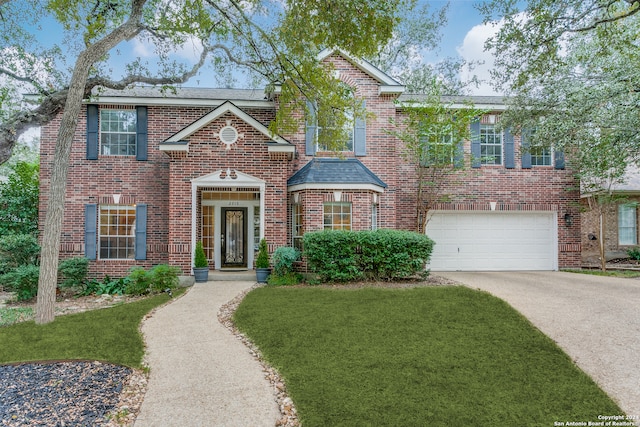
612, 273
11, 315
440, 356
109, 334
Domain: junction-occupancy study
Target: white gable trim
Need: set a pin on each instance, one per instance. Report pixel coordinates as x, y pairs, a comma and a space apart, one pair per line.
221, 110
388, 83
223, 178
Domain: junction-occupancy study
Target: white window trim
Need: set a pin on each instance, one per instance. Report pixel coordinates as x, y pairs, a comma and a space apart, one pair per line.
106, 132
332, 226
501, 145
131, 235
634, 226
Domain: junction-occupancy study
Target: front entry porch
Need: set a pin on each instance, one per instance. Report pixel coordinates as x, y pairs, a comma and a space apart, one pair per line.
229, 220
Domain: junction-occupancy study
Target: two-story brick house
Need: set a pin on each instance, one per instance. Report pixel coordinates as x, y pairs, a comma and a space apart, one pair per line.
153, 173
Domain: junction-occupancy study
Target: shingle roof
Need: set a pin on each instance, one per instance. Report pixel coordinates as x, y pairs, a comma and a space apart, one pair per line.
486, 100
187, 93
335, 171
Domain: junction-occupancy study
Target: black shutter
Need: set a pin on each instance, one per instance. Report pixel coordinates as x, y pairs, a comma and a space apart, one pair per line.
360, 135
90, 229
559, 159
310, 131
92, 132
509, 150
141, 232
458, 155
475, 144
141, 133
525, 149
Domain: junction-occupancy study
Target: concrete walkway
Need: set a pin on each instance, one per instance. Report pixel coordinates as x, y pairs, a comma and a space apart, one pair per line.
595, 320
201, 375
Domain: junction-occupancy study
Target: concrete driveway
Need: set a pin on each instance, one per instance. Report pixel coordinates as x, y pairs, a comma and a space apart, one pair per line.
595, 320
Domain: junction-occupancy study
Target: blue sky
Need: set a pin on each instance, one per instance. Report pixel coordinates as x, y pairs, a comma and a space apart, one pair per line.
463, 36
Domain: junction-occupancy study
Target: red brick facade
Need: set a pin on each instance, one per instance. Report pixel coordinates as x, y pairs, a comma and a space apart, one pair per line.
172, 182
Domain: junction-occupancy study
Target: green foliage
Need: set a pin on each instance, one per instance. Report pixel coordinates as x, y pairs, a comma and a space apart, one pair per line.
200, 259
19, 200
107, 286
343, 256
415, 357
262, 260
23, 280
288, 279
283, 259
433, 133
164, 277
634, 253
17, 250
139, 281
111, 334
73, 272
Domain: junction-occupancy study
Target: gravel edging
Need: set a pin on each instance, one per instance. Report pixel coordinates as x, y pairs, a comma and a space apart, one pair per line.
289, 415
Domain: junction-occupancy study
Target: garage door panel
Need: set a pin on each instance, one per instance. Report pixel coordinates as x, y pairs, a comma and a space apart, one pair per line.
493, 241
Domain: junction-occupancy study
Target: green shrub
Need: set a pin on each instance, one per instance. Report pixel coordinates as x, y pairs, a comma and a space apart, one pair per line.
343, 256
164, 277
200, 259
634, 253
73, 272
17, 250
22, 280
107, 286
139, 282
283, 259
262, 260
288, 279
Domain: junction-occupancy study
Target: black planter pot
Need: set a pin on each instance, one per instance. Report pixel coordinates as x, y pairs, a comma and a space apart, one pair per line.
201, 274
262, 274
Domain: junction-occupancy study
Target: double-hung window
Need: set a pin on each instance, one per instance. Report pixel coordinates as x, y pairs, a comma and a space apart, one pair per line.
627, 225
337, 216
298, 225
541, 156
490, 145
117, 225
118, 132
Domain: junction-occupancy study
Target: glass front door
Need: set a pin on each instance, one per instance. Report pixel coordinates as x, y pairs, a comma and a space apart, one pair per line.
233, 239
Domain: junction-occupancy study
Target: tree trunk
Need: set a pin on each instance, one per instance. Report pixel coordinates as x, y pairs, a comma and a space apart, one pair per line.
47, 283
603, 256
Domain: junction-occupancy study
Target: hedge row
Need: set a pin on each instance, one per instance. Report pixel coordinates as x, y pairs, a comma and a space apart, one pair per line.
343, 256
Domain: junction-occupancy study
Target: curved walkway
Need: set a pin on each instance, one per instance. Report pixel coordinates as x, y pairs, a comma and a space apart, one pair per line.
201, 375
594, 319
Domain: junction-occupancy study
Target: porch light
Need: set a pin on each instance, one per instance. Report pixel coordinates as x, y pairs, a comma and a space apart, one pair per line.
568, 219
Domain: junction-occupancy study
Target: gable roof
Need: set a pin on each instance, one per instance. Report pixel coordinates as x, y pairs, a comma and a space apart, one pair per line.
335, 174
218, 112
387, 83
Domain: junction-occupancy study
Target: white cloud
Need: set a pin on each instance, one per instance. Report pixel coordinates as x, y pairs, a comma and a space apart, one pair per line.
472, 50
189, 50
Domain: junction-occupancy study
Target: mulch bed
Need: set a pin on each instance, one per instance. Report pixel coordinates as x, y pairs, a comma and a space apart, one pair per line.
60, 393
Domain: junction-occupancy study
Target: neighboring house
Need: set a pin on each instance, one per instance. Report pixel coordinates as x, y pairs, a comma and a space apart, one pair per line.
153, 173
620, 222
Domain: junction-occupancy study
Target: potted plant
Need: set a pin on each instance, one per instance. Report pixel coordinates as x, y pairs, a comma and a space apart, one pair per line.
262, 262
200, 264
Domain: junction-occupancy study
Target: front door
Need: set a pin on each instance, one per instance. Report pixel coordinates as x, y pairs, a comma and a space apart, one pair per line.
233, 240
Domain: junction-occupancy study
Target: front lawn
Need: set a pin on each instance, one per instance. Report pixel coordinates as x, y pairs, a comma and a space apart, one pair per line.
437, 356
108, 334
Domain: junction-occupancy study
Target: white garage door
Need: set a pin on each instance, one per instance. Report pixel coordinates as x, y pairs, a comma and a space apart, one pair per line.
493, 241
